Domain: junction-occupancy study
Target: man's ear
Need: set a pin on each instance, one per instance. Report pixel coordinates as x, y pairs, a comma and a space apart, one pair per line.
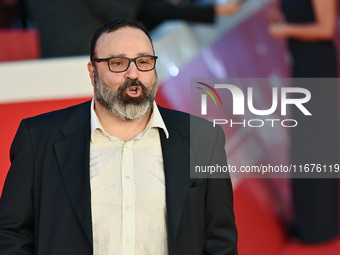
91, 69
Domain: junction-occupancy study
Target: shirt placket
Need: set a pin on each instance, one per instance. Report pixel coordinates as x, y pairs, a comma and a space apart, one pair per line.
128, 208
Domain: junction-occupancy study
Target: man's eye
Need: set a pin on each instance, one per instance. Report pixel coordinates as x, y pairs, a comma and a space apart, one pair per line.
143, 61
117, 62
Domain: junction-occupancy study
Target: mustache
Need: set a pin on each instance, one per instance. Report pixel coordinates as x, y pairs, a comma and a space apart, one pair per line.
131, 82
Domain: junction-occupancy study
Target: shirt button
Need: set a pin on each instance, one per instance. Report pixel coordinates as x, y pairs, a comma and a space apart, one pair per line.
127, 240
127, 177
128, 207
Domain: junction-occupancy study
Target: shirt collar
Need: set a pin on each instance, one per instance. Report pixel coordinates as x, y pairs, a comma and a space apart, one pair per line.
156, 121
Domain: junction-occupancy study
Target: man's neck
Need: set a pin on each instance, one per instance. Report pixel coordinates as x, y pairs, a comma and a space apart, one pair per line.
115, 126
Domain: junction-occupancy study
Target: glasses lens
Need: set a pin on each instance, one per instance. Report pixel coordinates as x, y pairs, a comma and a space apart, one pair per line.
118, 64
145, 63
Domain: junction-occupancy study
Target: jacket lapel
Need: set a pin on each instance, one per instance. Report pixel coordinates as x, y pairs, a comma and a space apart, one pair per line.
176, 158
73, 157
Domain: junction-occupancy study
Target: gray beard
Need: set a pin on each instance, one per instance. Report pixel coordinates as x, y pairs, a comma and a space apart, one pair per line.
121, 105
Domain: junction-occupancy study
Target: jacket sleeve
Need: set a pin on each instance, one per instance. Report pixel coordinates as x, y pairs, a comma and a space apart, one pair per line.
220, 237
16, 202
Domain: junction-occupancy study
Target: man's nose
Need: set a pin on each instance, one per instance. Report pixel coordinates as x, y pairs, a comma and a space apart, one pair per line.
132, 72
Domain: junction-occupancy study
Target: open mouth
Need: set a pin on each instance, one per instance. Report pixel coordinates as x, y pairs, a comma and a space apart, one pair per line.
134, 91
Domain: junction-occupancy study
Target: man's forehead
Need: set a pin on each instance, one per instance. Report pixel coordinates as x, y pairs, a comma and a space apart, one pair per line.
125, 34
124, 39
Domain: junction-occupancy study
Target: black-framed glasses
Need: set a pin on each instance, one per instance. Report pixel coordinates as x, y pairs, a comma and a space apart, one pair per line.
121, 64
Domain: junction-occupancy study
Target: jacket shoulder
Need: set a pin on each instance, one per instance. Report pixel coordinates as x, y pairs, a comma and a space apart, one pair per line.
188, 125
182, 117
55, 119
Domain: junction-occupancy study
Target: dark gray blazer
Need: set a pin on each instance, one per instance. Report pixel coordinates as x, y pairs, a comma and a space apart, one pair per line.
45, 207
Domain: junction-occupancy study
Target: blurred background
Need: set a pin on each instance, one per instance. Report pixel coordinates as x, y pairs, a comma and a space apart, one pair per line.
43, 54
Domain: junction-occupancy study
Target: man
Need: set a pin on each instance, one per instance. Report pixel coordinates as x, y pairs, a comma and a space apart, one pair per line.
111, 176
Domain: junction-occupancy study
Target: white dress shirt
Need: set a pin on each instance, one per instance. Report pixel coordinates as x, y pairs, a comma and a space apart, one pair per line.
128, 191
